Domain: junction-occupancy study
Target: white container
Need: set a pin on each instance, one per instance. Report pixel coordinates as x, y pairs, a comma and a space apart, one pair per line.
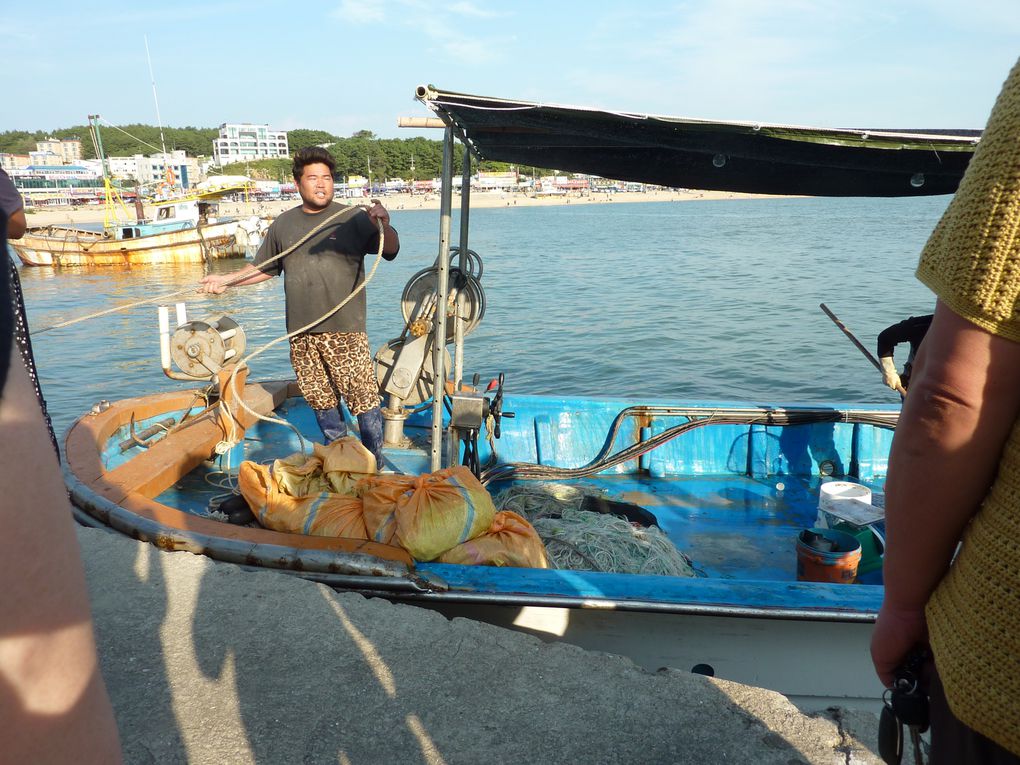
835, 498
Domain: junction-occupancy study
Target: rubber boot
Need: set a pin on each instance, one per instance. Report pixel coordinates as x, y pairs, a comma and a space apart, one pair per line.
331, 423
370, 424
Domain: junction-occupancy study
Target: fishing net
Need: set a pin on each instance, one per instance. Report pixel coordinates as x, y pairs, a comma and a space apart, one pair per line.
586, 541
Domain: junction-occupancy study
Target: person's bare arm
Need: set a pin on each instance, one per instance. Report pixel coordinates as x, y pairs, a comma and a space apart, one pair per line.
53, 703
17, 224
215, 284
964, 401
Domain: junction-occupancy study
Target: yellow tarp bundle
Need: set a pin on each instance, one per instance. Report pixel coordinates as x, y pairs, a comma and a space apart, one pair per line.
379, 494
447, 515
311, 495
323, 514
510, 541
334, 468
442, 510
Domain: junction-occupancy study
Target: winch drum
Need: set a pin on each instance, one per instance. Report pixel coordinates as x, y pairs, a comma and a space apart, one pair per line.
201, 348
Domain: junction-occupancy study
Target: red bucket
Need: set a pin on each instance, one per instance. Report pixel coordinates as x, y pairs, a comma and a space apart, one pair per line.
827, 555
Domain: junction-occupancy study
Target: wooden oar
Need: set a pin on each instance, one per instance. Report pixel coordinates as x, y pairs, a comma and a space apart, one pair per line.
860, 346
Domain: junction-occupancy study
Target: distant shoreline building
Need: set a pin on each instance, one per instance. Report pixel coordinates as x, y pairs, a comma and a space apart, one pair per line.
245, 142
67, 151
152, 169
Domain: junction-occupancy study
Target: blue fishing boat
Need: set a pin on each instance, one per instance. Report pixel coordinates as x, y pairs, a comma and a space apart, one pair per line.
735, 538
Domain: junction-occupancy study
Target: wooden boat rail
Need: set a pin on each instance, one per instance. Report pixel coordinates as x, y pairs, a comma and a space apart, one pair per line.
123, 498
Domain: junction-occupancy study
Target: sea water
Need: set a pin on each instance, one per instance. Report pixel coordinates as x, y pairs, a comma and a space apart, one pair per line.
705, 300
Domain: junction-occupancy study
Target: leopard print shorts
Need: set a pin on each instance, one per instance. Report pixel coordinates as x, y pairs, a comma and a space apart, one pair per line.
328, 364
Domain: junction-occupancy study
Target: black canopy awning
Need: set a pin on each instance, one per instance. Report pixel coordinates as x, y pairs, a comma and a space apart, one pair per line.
699, 154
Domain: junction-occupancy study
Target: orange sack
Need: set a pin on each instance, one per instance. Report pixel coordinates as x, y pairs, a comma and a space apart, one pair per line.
324, 514
442, 510
379, 495
510, 541
345, 462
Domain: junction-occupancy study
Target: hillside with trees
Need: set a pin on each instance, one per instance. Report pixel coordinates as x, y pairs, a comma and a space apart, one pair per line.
362, 153
121, 141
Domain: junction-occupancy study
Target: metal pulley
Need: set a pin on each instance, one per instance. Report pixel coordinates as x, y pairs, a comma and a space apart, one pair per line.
419, 300
202, 348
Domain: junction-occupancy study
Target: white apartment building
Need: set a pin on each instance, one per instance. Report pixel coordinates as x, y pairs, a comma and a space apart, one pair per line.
241, 142
9, 162
67, 150
151, 169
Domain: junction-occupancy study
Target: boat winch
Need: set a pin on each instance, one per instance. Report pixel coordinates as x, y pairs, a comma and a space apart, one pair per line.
400, 364
200, 349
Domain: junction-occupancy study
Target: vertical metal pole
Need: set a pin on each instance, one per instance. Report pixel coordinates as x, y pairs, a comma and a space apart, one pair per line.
442, 290
458, 327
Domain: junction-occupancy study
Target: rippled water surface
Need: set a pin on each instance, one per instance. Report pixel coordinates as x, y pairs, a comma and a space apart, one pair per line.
683, 300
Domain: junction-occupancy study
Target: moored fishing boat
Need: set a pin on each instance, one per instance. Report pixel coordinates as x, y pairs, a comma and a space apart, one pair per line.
729, 484
186, 230
185, 239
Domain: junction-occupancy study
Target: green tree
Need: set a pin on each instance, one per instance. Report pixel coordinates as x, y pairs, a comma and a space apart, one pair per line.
301, 138
261, 170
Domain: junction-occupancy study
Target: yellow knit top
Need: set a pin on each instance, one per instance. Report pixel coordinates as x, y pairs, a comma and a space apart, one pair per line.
972, 262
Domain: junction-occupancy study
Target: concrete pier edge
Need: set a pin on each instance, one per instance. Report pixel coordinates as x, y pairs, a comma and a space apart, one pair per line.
210, 663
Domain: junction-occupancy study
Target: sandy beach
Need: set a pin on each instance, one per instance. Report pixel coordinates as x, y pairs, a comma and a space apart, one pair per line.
398, 202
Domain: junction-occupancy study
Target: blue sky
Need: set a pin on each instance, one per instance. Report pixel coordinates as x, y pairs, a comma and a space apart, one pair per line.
349, 65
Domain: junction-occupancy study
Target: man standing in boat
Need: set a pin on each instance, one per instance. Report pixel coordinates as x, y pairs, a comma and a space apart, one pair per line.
328, 350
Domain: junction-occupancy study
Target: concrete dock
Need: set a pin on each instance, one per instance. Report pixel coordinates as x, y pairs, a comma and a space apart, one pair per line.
210, 663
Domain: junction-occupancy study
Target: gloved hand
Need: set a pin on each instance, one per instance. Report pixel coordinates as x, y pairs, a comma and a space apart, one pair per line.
889, 374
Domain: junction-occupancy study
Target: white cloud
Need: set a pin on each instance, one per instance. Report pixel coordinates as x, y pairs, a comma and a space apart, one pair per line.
470, 9
359, 12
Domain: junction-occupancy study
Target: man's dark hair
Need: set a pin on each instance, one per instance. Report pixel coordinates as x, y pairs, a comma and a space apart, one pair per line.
311, 155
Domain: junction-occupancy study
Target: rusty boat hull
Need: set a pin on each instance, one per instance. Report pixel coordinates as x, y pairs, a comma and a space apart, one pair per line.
57, 247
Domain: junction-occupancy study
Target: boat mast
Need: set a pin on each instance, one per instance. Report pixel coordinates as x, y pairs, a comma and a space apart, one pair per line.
159, 119
110, 193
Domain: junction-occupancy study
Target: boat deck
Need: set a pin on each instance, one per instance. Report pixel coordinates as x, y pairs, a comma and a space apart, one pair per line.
732, 526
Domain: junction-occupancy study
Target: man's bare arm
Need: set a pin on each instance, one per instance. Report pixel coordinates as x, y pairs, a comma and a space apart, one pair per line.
215, 284
53, 703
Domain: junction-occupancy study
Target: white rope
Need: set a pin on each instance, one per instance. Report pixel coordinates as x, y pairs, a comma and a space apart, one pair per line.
162, 298
134, 137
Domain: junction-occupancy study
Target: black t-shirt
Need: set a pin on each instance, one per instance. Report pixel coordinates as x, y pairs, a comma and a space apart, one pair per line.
910, 330
323, 271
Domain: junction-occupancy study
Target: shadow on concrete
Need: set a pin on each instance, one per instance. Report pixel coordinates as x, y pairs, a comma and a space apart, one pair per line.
130, 604
210, 663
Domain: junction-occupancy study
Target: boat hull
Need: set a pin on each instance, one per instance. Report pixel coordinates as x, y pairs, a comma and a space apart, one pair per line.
815, 663
55, 247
